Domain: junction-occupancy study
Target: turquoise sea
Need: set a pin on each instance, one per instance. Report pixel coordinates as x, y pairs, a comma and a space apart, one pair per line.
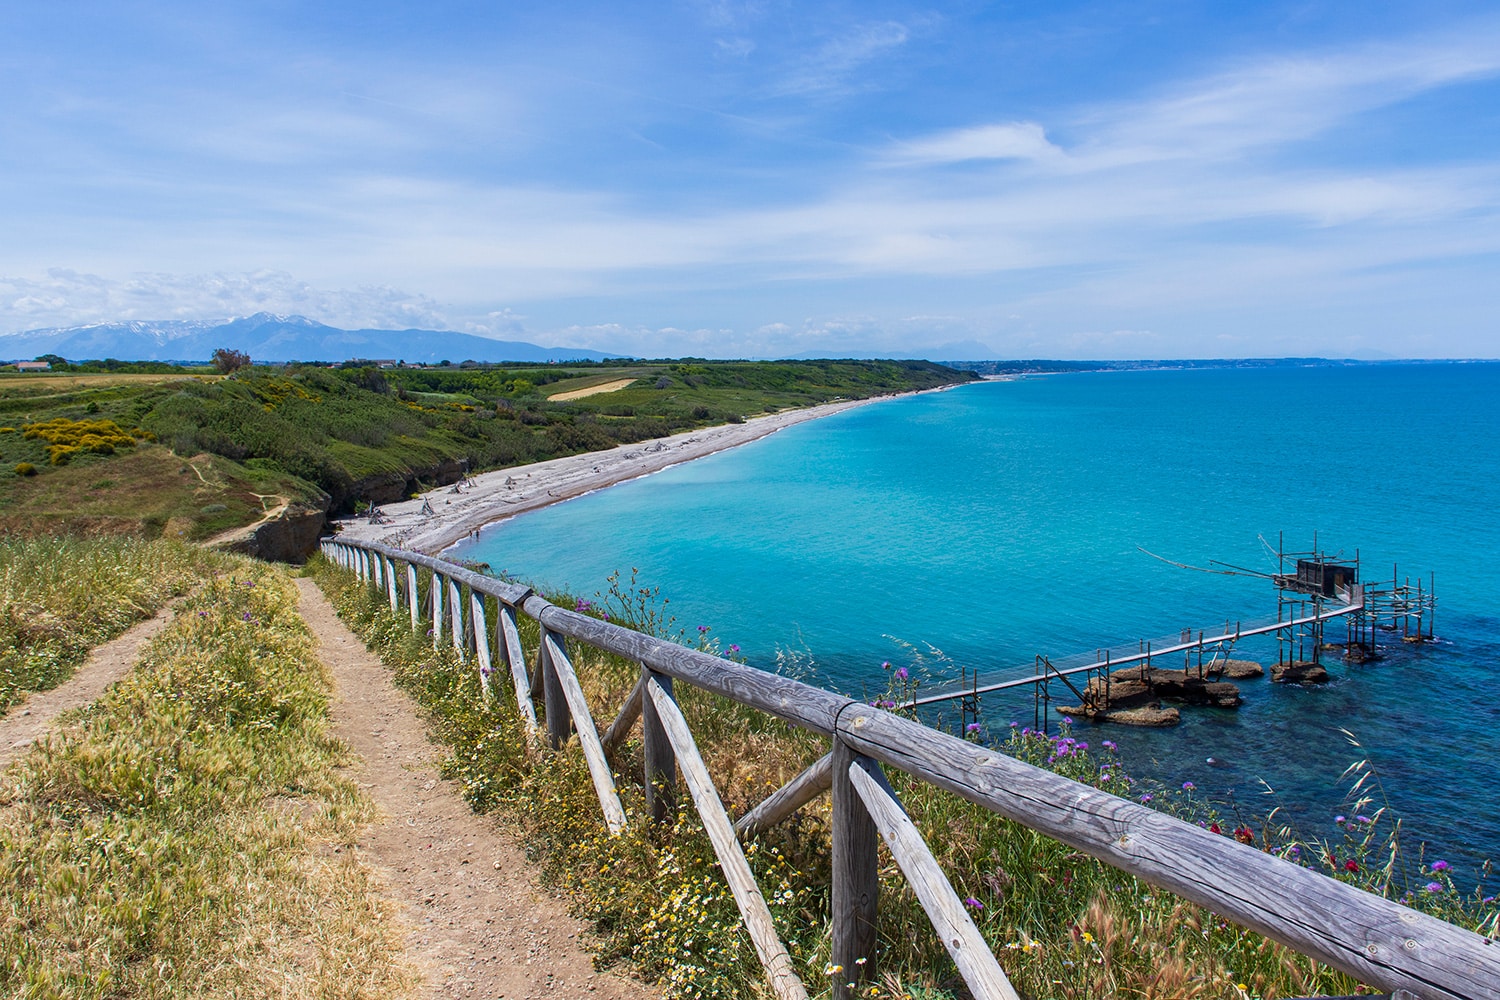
984, 525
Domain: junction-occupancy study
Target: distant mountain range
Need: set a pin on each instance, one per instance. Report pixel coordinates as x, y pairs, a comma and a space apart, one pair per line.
267, 337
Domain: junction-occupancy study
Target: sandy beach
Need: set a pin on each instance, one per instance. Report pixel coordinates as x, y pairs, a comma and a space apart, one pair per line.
441, 517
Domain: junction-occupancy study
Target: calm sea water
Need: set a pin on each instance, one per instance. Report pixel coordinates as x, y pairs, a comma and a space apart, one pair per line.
988, 524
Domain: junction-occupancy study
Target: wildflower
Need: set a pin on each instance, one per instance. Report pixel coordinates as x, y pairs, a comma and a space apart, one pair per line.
1214, 828
702, 628
830, 969
1067, 720
1440, 866
1351, 865
901, 674
1340, 819
1434, 887
885, 665
1188, 786
1363, 819
1147, 797
972, 727
973, 903
734, 647
1086, 937
1109, 745
1244, 835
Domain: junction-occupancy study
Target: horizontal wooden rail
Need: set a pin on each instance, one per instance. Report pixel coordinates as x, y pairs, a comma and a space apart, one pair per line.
1377, 941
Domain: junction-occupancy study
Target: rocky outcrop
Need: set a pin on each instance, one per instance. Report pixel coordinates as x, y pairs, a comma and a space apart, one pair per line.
1134, 696
393, 487
1299, 672
290, 536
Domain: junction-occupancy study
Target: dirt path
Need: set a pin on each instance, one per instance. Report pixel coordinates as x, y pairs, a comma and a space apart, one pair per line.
28, 721
480, 926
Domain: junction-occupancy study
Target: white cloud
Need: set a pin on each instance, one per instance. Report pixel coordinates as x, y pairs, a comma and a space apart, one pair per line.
828, 69
1009, 141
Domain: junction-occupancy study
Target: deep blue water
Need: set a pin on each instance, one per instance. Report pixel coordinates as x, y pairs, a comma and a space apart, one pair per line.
998, 521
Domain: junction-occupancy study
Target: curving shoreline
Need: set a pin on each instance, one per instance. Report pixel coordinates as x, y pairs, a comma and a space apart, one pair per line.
459, 511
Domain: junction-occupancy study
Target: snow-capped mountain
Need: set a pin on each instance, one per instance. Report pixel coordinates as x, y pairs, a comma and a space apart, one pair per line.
268, 337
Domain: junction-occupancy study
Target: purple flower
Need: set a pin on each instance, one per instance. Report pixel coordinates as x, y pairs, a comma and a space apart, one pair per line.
1067, 720
1363, 819
734, 647
702, 628
584, 606
248, 616
1188, 786
1440, 866
1339, 819
972, 727
1109, 745
1014, 725
1146, 797
885, 665
901, 673
973, 903
1434, 887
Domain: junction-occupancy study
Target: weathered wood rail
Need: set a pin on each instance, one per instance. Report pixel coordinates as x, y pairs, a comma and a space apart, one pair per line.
1380, 942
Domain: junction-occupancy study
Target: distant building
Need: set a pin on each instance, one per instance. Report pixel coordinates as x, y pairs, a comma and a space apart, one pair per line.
374, 362
33, 366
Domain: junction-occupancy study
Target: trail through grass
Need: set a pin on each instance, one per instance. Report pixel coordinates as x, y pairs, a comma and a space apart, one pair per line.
60, 598
189, 834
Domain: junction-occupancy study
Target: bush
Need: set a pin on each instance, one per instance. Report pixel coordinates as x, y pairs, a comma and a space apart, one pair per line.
25, 469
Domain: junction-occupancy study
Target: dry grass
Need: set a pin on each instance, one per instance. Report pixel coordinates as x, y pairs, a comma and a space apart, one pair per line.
190, 834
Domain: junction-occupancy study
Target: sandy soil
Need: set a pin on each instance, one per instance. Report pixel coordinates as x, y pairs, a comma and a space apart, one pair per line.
480, 927
456, 512
27, 722
593, 390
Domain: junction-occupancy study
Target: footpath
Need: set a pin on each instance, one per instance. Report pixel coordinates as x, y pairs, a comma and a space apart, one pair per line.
480, 925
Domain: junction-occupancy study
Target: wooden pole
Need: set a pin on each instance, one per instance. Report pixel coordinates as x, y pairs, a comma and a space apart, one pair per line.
456, 612
435, 593
856, 881
515, 658
752, 905
554, 700
661, 762
588, 737
625, 721
813, 781
955, 928
481, 642
411, 596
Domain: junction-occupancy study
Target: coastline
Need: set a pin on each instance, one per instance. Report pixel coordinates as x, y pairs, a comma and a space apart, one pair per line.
461, 510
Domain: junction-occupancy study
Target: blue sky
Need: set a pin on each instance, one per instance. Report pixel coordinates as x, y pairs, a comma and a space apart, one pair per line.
1072, 180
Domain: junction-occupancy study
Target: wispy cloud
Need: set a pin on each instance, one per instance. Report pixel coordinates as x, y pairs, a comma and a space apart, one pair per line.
830, 68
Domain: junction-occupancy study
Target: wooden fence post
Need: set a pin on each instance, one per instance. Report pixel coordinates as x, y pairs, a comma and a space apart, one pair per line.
661, 761
481, 641
553, 698
390, 585
456, 611
435, 593
515, 658
856, 880
411, 596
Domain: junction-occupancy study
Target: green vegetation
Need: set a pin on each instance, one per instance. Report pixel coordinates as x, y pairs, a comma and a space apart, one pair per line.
1062, 924
336, 437
188, 834
59, 599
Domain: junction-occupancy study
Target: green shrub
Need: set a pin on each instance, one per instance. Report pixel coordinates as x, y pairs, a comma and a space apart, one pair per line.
25, 469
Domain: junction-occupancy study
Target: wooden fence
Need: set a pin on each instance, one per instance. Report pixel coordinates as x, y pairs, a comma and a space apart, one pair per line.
1378, 941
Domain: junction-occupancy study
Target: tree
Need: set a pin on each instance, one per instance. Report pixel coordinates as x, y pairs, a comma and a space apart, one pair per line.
227, 360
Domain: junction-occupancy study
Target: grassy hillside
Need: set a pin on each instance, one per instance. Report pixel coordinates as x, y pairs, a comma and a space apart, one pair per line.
194, 454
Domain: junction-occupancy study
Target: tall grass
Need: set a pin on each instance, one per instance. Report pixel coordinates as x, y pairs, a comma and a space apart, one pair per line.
1062, 924
61, 597
189, 834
